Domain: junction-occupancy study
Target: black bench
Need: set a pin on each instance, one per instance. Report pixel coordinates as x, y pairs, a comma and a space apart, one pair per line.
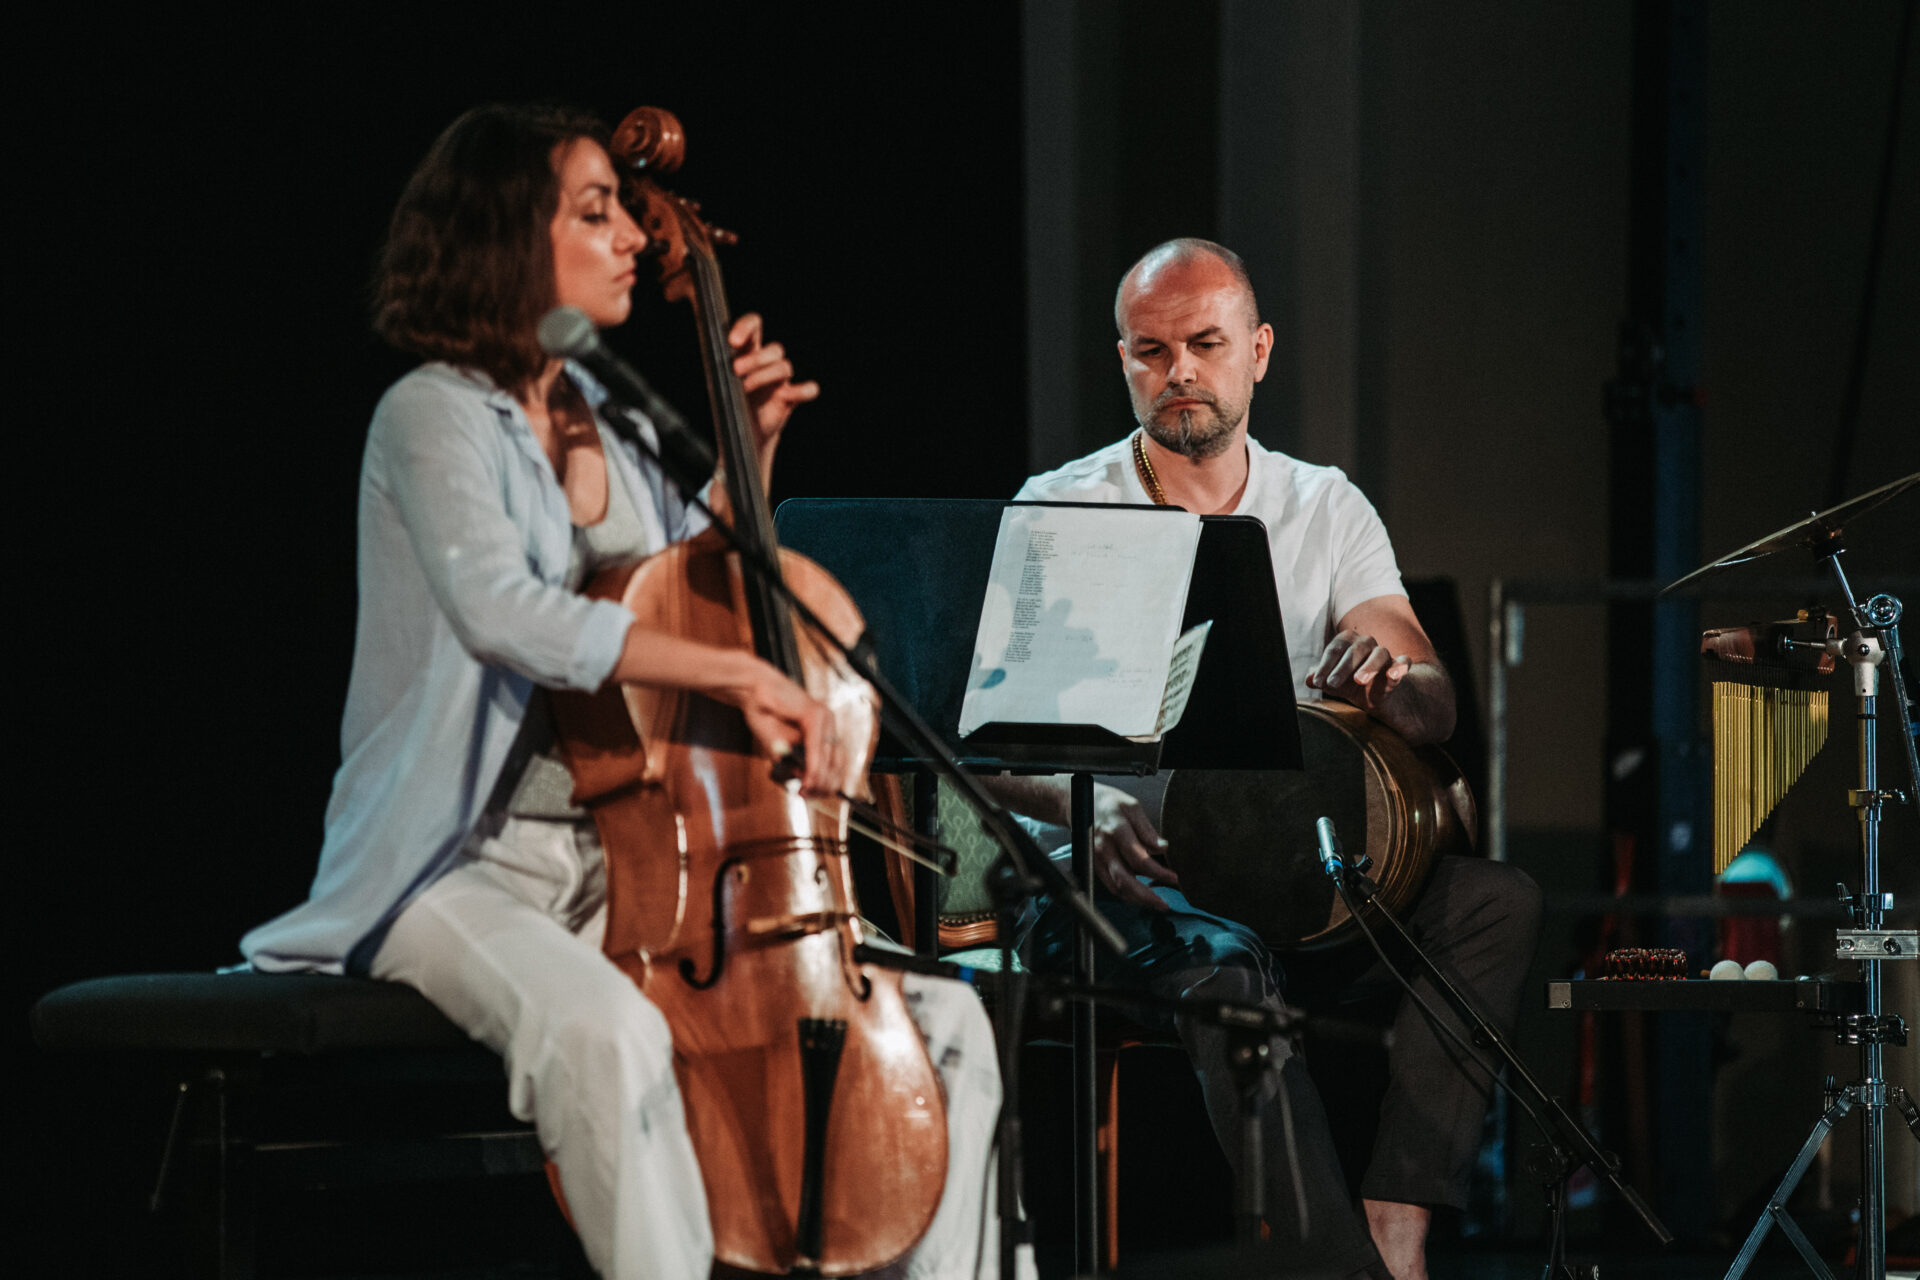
293, 1082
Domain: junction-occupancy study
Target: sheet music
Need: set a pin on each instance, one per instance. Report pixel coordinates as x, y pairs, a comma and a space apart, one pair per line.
1081, 616
1184, 665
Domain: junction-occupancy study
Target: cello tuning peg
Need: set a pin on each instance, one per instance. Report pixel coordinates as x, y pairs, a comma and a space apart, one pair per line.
722, 236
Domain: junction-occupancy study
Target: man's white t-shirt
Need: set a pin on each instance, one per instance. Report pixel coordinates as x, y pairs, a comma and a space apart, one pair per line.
1330, 551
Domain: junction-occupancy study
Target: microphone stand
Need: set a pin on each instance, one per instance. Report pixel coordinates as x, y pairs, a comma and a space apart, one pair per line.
1023, 871
1249, 1028
1568, 1145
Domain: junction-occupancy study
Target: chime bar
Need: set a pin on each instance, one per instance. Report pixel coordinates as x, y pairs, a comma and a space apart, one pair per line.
1769, 719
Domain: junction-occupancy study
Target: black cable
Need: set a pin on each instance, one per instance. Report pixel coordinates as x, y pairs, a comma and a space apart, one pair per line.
989, 1174
1863, 330
1293, 1151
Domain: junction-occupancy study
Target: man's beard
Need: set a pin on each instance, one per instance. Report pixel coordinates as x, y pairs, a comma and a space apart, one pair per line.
1195, 433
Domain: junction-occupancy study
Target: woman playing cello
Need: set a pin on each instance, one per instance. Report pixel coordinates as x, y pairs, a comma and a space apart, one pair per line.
454, 859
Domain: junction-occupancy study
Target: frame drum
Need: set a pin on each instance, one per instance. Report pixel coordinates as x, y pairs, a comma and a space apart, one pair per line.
1243, 843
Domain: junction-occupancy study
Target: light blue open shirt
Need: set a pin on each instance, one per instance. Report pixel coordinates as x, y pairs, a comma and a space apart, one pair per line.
464, 537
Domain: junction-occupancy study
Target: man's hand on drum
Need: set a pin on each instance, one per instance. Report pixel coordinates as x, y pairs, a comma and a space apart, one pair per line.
1125, 847
1355, 667
1382, 662
766, 375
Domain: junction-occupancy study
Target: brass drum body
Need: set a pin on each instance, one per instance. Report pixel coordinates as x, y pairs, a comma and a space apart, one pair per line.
1243, 841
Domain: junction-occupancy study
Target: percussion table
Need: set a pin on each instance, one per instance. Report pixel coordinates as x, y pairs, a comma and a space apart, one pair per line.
1697, 995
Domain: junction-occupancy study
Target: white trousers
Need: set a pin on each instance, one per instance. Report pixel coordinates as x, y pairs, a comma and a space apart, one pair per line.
507, 945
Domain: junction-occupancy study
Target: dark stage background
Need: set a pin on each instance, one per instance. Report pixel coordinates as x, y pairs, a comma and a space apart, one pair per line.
220, 195
199, 199
189, 316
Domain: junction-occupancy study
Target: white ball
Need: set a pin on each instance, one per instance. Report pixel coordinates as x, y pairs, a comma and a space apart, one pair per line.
1728, 971
1762, 971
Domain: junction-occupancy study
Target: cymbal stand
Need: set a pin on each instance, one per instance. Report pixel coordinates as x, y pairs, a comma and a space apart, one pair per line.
1876, 639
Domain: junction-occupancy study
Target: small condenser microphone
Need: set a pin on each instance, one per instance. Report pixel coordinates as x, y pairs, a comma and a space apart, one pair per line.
1330, 860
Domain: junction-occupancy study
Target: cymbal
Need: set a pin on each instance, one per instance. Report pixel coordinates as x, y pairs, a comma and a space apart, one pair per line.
1817, 533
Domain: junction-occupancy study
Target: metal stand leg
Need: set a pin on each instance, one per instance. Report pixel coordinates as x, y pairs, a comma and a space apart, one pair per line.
1898, 1097
1776, 1214
1010, 891
926, 881
1552, 1165
1877, 641
1250, 1055
1869, 915
210, 1111
1556, 1268
1086, 1090
170, 1153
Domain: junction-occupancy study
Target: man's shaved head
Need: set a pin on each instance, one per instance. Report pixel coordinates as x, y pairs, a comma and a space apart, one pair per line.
1179, 253
1191, 346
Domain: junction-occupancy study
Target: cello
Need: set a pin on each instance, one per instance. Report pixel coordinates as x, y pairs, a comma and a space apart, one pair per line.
730, 896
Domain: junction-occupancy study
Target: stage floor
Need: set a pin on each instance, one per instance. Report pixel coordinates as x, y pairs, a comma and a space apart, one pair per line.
1502, 1265
1528, 1265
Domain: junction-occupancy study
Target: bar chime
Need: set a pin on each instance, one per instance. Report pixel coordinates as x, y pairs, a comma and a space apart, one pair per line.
1769, 718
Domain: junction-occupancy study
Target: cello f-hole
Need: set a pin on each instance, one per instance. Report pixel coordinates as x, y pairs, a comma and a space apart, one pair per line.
728, 870
858, 983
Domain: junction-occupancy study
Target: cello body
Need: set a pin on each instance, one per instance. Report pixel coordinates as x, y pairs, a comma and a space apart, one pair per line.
816, 1114
731, 906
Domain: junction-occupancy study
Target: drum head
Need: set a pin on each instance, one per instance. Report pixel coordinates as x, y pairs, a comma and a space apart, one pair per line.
1243, 842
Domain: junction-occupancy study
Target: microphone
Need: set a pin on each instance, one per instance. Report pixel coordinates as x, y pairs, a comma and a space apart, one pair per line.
567, 333
1330, 860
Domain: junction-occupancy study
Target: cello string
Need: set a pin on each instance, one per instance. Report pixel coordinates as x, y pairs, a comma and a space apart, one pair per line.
878, 837
871, 813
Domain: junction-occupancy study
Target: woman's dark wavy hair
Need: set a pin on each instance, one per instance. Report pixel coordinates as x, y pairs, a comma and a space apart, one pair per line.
467, 270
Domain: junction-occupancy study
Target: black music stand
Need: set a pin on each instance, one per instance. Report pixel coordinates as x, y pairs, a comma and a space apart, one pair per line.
918, 570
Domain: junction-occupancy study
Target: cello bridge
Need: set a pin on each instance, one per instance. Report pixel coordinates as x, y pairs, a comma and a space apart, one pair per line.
787, 928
